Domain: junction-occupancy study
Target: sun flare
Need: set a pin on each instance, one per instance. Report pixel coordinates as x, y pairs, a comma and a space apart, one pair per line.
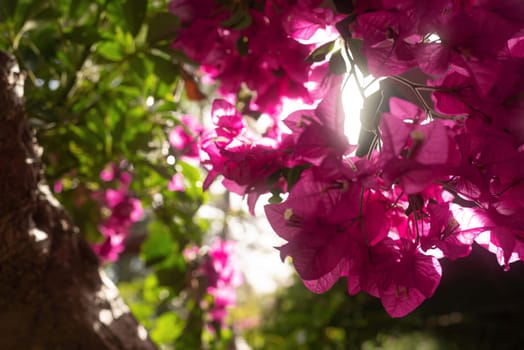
353, 89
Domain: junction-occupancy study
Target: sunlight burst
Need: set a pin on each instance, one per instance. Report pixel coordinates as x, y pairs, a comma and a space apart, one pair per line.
352, 101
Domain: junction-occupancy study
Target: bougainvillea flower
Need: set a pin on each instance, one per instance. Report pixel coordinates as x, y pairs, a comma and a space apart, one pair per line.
176, 183
504, 234
109, 172
261, 56
516, 45
396, 272
318, 134
223, 277
444, 173
314, 220
188, 10
111, 248
414, 154
307, 22
389, 41
415, 278
445, 232
185, 138
458, 99
247, 165
228, 120
123, 209
325, 282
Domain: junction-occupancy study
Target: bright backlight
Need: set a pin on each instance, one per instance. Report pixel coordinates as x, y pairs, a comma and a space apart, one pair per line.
352, 101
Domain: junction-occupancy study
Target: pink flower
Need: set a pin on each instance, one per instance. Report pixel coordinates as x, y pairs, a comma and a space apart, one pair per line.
176, 183
246, 160
228, 120
319, 134
185, 138
307, 22
188, 10
431, 187
390, 40
109, 172
447, 234
319, 219
111, 248
516, 45
58, 186
504, 234
414, 154
191, 253
220, 268
262, 55
123, 212
396, 272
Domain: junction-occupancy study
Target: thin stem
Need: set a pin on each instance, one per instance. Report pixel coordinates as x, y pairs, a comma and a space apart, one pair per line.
374, 143
353, 71
394, 204
413, 205
370, 83
414, 87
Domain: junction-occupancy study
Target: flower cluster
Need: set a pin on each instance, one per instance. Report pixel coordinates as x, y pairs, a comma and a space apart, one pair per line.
185, 143
472, 55
252, 164
251, 46
121, 211
444, 168
184, 138
222, 276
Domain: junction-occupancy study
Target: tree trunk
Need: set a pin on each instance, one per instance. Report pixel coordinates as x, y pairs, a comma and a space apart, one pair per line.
53, 294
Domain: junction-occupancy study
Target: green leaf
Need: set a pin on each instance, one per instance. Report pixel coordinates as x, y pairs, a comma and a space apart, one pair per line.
138, 65
167, 106
83, 35
337, 64
293, 175
319, 54
119, 129
162, 26
78, 8
192, 174
152, 291
238, 21
46, 40
355, 45
33, 9
275, 198
110, 51
168, 328
165, 69
48, 13
134, 14
158, 244
141, 140
7, 9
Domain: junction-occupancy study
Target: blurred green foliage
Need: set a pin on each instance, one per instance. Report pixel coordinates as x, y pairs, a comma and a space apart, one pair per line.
103, 85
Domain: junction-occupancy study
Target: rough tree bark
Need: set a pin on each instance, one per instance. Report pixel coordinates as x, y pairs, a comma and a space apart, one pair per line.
52, 292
